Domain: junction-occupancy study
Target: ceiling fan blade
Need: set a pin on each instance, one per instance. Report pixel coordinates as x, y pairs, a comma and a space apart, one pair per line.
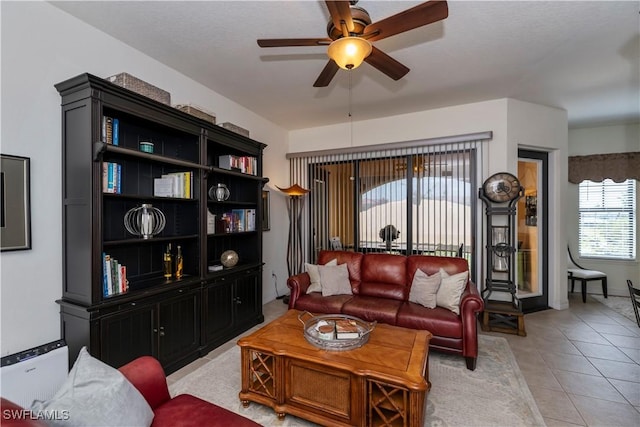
422, 14
386, 64
293, 42
327, 74
340, 11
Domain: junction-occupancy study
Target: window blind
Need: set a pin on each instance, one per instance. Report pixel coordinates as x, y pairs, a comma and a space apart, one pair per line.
607, 219
403, 198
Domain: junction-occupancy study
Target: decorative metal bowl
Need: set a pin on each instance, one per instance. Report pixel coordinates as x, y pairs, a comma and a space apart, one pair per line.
313, 335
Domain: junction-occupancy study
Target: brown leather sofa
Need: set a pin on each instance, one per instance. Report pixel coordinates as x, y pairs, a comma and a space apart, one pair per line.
381, 285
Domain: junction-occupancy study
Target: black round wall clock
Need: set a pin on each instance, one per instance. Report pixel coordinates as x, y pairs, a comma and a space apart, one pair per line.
501, 187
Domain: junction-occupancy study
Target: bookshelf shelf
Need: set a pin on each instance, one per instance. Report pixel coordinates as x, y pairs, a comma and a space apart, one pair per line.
115, 295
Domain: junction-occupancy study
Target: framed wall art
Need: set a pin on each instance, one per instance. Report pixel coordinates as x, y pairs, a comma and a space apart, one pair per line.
15, 205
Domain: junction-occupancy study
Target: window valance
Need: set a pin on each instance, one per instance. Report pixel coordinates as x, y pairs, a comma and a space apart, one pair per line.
598, 167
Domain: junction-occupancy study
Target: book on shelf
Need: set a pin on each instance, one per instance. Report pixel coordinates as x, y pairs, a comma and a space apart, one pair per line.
244, 164
111, 178
175, 184
116, 132
238, 220
110, 130
250, 218
114, 276
163, 187
239, 217
347, 329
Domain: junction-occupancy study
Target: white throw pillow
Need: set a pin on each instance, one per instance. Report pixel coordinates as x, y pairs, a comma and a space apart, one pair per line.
335, 280
424, 288
95, 394
451, 289
314, 275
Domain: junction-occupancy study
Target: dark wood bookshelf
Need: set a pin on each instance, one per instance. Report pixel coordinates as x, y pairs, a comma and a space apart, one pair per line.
174, 320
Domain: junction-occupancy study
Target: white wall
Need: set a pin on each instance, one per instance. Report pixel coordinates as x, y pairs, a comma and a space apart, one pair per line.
604, 140
41, 46
514, 124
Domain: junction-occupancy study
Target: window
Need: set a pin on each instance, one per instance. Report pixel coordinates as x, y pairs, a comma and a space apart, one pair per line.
607, 219
411, 198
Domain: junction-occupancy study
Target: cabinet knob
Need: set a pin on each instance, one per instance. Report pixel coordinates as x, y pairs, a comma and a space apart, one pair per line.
161, 331
133, 304
238, 300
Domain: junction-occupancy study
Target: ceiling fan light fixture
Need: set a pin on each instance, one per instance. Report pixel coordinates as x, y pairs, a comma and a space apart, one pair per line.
349, 52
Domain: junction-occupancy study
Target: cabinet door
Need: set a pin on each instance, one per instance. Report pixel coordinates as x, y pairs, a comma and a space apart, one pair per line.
178, 327
127, 335
217, 310
248, 298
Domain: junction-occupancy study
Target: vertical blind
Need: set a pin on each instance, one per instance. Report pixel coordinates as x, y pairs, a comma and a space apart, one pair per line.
607, 219
416, 198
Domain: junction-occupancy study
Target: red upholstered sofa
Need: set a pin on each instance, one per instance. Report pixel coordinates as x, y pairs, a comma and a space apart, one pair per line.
147, 375
381, 285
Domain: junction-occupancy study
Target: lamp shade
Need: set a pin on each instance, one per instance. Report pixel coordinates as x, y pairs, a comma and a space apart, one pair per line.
349, 52
294, 190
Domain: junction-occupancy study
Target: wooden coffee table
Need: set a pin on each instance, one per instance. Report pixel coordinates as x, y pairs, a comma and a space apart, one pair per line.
384, 382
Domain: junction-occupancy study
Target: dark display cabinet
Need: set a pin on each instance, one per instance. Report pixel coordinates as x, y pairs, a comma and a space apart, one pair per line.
136, 184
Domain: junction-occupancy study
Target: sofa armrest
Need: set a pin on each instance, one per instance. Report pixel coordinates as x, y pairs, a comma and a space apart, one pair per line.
298, 285
470, 305
146, 375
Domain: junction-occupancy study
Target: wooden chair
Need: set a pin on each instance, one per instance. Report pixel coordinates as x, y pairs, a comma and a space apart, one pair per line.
577, 272
635, 300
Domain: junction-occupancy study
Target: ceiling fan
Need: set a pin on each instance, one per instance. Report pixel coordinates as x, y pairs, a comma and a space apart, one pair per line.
351, 33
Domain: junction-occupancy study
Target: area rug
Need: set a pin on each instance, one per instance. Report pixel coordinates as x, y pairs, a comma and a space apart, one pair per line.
495, 394
620, 305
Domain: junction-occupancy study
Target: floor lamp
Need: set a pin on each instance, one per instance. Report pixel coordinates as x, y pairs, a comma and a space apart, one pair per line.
294, 246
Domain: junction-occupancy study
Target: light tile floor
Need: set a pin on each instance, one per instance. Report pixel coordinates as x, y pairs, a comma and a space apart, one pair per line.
582, 364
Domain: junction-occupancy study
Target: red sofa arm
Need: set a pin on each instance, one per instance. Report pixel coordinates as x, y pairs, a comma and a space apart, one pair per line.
471, 304
298, 285
147, 375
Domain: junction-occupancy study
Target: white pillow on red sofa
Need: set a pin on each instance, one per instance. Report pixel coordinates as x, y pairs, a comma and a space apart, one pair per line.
335, 280
314, 275
424, 288
451, 289
95, 394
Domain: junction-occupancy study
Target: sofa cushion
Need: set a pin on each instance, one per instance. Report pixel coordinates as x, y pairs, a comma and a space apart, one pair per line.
451, 289
186, 411
334, 280
372, 308
424, 288
384, 276
95, 394
353, 261
439, 321
314, 275
316, 303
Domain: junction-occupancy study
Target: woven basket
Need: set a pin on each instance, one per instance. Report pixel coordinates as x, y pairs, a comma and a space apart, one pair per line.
141, 87
197, 112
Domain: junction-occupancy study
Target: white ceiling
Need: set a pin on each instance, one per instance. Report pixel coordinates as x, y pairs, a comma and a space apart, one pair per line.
580, 56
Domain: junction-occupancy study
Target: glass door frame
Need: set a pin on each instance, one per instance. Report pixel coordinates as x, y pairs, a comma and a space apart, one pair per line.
538, 300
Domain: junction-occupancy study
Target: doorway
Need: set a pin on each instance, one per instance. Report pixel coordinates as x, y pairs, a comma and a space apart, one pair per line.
532, 226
